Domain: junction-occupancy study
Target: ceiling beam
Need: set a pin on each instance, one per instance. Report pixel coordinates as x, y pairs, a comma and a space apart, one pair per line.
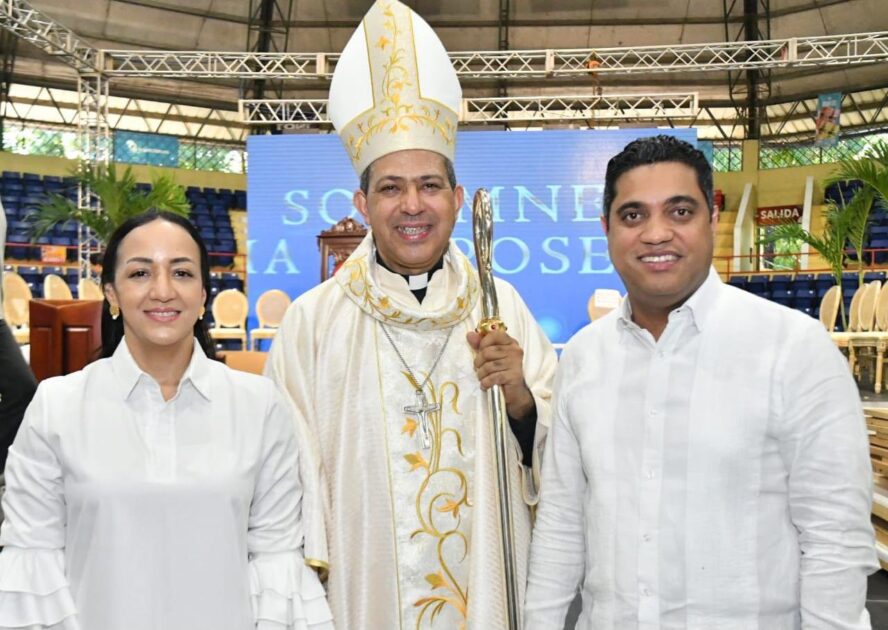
440, 22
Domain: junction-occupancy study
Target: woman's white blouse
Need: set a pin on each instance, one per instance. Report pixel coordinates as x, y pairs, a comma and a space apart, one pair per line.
128, 512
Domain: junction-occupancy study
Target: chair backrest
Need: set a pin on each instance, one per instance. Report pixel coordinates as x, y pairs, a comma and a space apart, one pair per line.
270, 308
55, 288
230, 309
882, 309
16, 296
854, 310
89, 290
867, 316
829, 307
602, 302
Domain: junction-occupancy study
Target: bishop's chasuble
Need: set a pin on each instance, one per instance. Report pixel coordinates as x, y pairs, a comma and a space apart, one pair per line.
410, 534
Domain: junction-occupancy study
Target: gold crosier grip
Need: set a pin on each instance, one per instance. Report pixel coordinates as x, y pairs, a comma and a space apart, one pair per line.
482, 226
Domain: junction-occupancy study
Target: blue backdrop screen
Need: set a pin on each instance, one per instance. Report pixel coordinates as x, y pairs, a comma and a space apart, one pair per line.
546, 188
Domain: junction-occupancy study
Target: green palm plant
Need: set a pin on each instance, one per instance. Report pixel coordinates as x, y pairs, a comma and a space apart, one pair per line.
840, 224
872, 171
120, 199
847, 223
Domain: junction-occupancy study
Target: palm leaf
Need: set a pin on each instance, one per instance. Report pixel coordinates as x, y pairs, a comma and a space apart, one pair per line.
120, 199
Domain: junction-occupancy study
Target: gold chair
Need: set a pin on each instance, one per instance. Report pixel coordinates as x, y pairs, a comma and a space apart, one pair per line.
829, 307
602, 302
875, 340
89, 290
54, 288
843, 339
230, 315
16, 306
270, 309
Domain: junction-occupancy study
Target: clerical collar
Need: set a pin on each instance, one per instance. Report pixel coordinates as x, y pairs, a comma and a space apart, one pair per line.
418, 283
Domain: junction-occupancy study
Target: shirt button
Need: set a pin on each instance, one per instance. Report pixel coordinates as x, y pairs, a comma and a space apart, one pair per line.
646, 538
652, 412
650, 473
661, 354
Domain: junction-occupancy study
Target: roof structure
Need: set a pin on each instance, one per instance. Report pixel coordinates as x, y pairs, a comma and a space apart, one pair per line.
612, 36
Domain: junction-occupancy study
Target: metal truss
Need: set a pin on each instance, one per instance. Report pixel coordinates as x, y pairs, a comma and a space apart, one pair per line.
589, 108
267, 31
95, 147
832, 50
31, 25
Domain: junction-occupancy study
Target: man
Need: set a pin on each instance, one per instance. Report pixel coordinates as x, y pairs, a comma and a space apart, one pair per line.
707, 465
386, 375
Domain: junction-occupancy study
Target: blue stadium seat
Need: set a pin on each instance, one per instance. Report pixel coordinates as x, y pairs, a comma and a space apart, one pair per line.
232, 281
841, 192
30, 274
19, 246
779, 289
757, 284
240, 199
738, 281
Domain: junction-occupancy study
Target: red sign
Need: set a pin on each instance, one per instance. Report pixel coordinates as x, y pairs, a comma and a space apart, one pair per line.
775, 215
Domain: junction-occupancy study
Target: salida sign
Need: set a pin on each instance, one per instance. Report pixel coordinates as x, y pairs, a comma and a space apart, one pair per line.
775, 215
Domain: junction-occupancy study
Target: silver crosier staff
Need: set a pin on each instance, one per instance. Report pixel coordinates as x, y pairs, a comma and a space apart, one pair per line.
482, 227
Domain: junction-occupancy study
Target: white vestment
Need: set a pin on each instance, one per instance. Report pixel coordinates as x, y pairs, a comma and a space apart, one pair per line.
413, 534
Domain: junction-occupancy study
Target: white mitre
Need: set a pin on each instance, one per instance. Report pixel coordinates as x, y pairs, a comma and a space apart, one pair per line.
394, 88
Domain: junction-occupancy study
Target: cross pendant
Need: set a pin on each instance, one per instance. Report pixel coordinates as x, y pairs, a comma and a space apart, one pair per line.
421, 408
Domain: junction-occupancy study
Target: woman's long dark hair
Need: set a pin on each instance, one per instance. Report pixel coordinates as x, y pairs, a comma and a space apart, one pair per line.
112, 329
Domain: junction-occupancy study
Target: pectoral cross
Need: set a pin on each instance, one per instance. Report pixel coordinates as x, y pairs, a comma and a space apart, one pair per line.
421, 408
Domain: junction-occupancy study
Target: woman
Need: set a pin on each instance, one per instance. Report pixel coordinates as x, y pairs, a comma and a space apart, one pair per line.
156, 488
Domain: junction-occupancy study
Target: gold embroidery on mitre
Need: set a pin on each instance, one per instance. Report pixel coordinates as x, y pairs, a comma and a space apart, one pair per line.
401, 118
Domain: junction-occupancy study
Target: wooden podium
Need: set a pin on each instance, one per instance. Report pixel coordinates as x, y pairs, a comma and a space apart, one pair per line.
337, 244
65, 335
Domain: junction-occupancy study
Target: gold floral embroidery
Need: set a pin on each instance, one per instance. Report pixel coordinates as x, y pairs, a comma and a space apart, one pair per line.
354, 278
400, 106
409, 426
439, 512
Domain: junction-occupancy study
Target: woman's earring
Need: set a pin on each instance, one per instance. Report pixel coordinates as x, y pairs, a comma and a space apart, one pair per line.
115, 311
202, 311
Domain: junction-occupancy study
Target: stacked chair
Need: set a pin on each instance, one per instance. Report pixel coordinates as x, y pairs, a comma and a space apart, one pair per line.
873, 343
861, 317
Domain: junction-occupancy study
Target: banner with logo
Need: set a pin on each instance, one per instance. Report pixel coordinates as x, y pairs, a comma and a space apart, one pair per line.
146, 148
827, 122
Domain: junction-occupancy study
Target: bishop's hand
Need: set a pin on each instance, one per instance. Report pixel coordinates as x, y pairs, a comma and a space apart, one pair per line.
499, 361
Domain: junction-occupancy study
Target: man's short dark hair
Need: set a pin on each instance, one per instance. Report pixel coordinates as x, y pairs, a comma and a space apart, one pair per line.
654, 150
448, 167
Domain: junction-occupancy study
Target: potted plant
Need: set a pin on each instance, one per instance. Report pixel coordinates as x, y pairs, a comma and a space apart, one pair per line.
120, 198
